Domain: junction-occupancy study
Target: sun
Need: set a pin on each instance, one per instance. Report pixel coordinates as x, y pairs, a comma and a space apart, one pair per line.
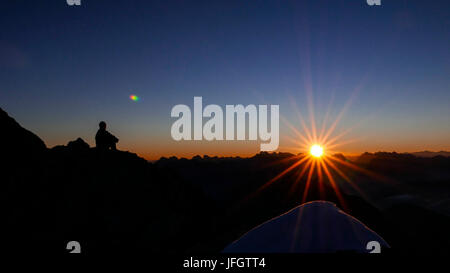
318, 166
316, 150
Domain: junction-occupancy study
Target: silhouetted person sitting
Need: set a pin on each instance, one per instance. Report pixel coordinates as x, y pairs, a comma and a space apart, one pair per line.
104, 140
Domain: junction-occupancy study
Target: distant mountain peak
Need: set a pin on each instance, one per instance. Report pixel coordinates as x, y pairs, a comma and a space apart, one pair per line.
431, 154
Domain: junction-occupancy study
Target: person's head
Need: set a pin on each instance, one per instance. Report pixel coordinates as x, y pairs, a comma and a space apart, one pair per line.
102, 125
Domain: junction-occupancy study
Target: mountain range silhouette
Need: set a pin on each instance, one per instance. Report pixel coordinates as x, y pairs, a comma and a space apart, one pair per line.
116, 201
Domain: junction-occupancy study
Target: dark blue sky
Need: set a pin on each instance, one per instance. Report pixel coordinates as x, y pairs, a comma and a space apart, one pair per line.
62, 68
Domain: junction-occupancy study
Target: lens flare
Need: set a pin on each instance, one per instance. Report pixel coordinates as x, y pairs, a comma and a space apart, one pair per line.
134, 98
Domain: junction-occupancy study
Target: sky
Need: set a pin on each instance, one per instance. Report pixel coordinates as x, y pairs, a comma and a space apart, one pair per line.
385, 68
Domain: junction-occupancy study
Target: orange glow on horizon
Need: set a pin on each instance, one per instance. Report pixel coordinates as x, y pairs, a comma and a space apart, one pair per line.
316, 166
